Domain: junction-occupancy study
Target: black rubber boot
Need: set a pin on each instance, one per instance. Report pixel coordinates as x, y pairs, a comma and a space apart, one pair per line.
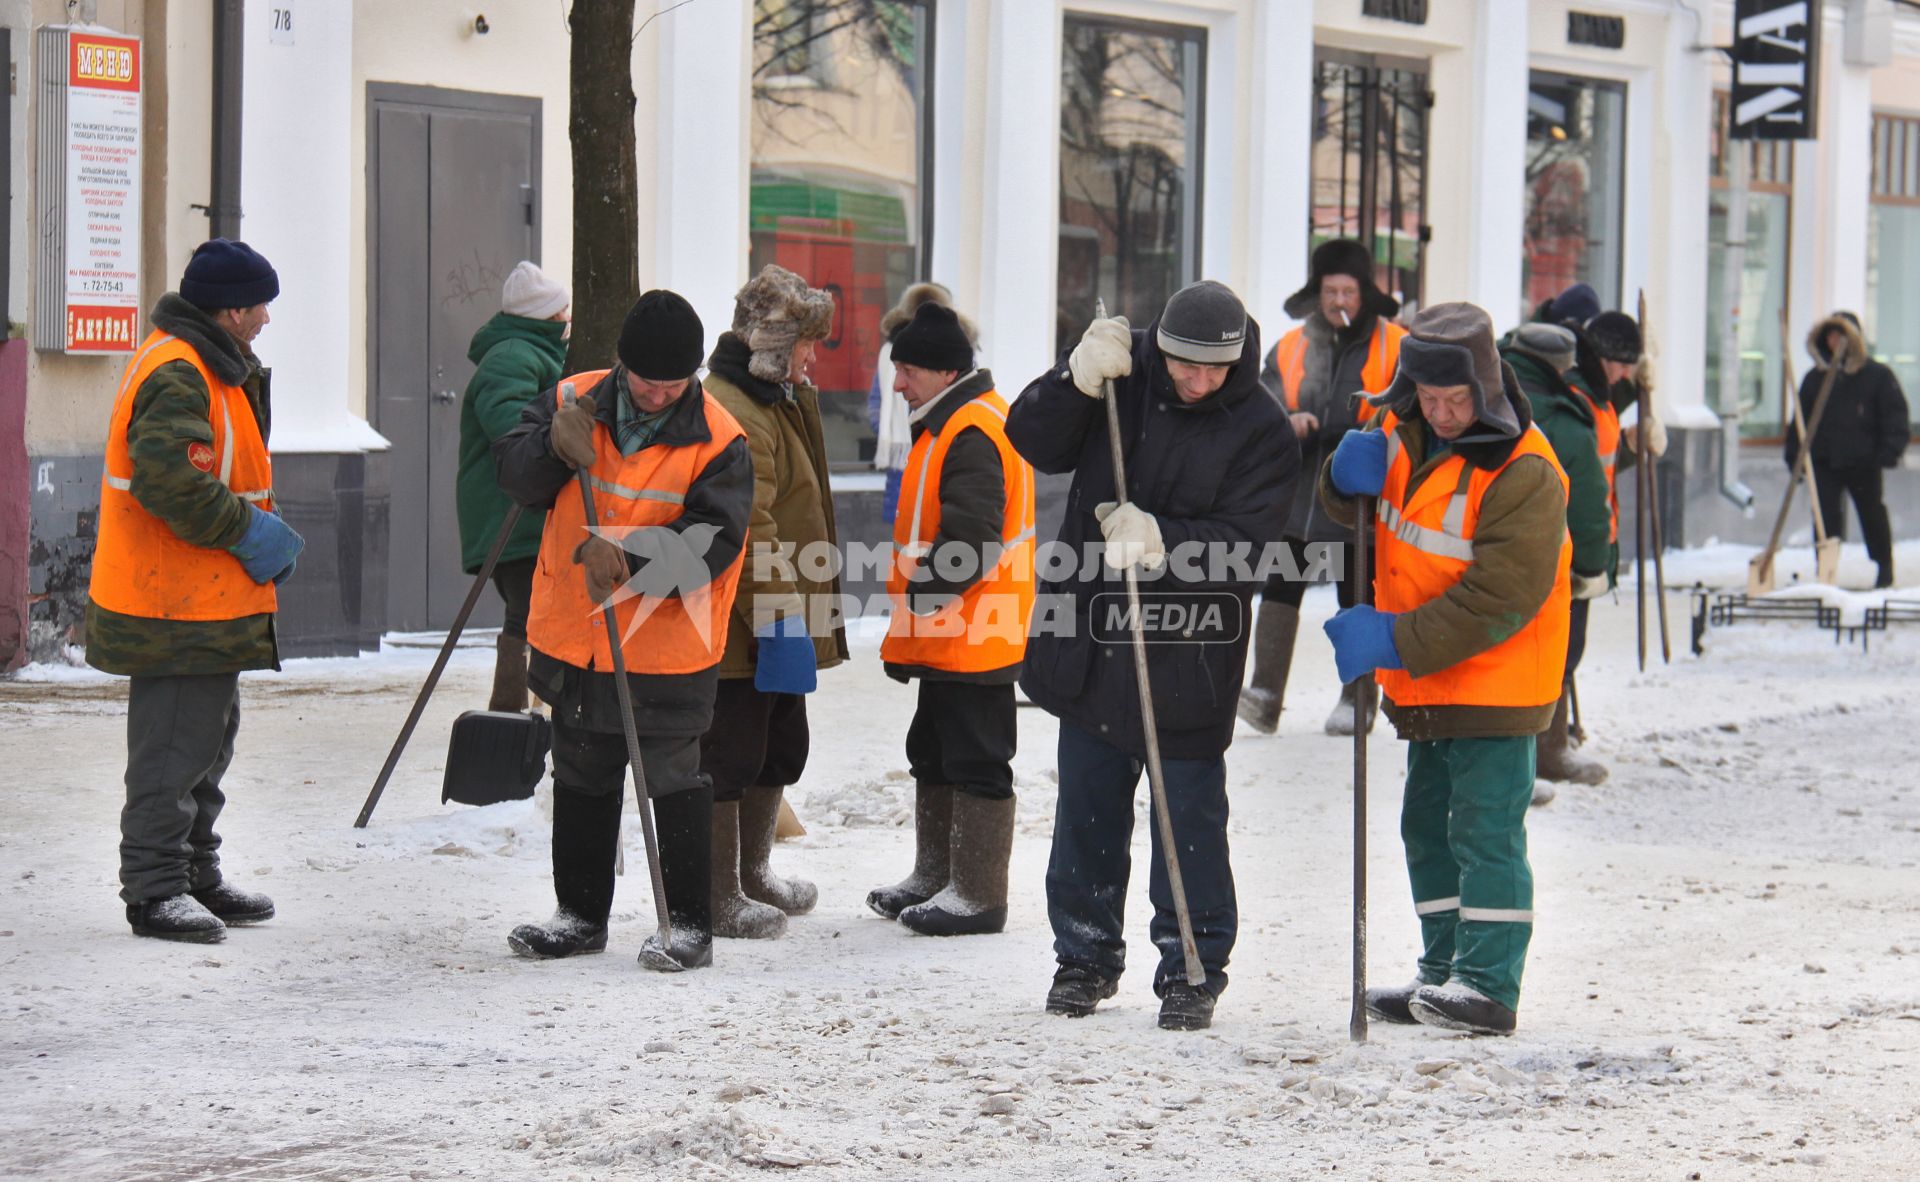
1390, 1004
235, 907
586, 837
974, 901
1185, 1007
1273, 635
1078, 989
1454, 1006
177, 917
684, 821
932, 837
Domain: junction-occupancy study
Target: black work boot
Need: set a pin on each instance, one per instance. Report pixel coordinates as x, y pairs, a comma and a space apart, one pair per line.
1390, 1004
974, 901
586, 836
1273, 635
235, 907
684, 821
932, 835
1455, 1006
759, 817
1078, 988
1185, 1007
177, 917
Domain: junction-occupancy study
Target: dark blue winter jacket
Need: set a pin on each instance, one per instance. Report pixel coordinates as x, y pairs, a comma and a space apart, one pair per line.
1221, 470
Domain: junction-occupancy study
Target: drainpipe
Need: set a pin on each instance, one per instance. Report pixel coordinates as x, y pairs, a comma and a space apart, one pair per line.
1737, 152
223, 209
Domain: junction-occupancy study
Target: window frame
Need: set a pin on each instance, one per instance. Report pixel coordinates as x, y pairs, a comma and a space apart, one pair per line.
1624, 89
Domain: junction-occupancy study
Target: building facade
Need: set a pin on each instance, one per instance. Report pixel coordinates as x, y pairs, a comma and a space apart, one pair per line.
394, 161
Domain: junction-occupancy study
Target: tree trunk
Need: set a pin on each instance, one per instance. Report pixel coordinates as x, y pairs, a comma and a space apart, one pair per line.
606, 212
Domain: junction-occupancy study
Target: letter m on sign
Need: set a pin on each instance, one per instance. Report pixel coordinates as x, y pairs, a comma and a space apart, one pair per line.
1776, 69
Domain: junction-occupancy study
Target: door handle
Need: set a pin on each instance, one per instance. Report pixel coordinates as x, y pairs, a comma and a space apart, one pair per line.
446, 396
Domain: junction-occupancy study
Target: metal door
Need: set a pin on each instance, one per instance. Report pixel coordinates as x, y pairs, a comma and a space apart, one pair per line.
451, 206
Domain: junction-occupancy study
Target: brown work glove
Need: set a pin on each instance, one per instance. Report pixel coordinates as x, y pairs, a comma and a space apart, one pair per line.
571, 436
606, 564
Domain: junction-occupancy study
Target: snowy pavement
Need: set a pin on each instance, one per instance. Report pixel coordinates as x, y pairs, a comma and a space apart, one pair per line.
1722, 984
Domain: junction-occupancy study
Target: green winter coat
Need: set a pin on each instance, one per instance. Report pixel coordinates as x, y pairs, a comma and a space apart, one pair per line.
1566, 418
171, 410
517, 359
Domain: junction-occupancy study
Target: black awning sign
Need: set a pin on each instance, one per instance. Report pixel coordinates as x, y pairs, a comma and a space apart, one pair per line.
1776, 69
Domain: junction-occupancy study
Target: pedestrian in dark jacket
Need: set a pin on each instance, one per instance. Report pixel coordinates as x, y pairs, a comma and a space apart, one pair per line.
1864, 430
672, 483
1210, 463
516, 355
1346, 346
785, 626
189, 550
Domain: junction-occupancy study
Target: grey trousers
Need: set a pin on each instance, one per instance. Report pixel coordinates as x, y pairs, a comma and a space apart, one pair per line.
180, 734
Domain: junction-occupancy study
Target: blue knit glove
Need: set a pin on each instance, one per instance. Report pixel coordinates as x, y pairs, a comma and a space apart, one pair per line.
785, 664
1363, 641
269, 546
1360, 464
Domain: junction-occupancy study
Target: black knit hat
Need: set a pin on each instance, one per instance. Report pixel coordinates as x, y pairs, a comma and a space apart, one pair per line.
1615, 337
934, 339
1342, 256
1204, 323
662, 339
227, 274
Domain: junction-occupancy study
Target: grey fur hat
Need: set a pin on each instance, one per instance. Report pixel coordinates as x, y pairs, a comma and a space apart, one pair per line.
774, 311
924, 293
1452, 345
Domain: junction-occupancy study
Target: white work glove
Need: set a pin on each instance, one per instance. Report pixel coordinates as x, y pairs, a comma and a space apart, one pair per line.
1588, 586
1133, 536
1104, 353
1656, 434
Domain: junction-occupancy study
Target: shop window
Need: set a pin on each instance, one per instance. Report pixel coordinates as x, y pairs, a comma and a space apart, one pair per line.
1369, 163
1892, 314
1576, 166
1130, 148
840, 170
1763, 291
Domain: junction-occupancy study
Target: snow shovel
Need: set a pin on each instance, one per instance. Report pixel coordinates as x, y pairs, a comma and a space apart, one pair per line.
1196, 972
433, 678
625, 693
1760, 573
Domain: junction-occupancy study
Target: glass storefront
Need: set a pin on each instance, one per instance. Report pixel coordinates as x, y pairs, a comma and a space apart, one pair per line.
1763, 290
1576, 173
1130, 147
1892, 314
1369, 163
839, 176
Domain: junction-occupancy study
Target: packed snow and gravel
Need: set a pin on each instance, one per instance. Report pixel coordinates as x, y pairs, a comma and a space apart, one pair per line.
1724, 981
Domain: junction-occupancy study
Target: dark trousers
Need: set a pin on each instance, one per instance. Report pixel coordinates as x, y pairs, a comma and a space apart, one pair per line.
1281, 589
180, 733
1576, 635
757, 740
514, 581
963, 734
1088, 870
1865, 485
589, 783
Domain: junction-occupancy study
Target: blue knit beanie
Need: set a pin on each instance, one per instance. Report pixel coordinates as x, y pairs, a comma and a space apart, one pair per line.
1578, 304
228, 274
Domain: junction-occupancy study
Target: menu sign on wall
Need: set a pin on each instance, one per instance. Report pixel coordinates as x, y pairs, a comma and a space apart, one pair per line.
103, 193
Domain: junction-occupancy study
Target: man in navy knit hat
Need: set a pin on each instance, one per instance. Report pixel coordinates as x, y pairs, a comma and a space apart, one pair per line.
182, 600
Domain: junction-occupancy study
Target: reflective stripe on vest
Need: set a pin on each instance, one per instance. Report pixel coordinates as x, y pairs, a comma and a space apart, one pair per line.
986, 626
684, 633
1425, 546
140, 566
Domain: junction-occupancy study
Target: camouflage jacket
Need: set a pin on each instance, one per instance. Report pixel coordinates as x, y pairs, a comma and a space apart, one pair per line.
171, 410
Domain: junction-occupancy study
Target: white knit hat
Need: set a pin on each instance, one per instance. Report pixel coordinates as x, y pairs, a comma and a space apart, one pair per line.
529, 292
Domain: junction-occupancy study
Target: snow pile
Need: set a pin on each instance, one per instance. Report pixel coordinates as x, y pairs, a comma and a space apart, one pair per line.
510, 829
690, 1144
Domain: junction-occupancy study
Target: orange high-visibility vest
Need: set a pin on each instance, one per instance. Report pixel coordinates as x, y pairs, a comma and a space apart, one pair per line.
140, 566
1425, 544
674, 634
986, 627
1606, 427
1383, 358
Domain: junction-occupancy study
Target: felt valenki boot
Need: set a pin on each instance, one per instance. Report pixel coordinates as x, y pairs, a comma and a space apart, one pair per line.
586, 837
932, 838
1554, 756
735, 915
685, 823
974, 901
759, 818
509, 674
1273, 636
